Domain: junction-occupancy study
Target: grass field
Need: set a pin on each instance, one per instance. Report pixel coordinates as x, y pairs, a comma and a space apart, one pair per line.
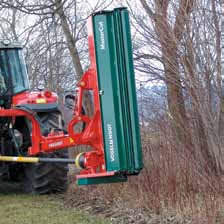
30, 209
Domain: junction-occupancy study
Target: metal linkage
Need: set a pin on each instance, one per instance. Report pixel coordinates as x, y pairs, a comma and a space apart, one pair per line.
83, 160
21, 159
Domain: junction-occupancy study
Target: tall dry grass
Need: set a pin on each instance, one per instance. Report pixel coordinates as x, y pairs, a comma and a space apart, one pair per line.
175, 180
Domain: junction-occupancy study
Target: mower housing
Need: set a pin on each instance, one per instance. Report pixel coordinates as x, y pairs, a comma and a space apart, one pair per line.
109, 32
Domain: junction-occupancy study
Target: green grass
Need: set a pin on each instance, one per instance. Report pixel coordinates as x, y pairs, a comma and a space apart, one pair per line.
31, 209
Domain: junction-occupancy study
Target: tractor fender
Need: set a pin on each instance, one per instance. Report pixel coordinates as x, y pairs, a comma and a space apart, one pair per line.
48, 108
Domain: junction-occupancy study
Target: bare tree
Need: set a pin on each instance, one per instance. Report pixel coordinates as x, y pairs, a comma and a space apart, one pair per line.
169, 39
173, 43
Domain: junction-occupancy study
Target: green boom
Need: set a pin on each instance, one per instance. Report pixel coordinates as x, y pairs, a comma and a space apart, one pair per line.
116, 81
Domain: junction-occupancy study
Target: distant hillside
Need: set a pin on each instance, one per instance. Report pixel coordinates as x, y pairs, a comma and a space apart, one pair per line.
151, 101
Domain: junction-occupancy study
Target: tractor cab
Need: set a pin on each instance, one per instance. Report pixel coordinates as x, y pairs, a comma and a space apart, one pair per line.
14, 82
13, 73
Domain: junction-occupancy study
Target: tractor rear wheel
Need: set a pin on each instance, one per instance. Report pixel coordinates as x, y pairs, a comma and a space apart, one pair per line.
47, 178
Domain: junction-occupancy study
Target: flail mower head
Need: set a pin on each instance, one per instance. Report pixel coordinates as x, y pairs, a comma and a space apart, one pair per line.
111, 60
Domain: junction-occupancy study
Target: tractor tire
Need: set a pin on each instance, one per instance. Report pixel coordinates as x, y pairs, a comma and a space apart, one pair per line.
47, 178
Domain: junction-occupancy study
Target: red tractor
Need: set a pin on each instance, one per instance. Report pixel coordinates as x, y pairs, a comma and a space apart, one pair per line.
15, 131
33, 140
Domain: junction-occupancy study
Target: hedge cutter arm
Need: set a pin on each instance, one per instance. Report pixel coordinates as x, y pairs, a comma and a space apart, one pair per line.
113, 130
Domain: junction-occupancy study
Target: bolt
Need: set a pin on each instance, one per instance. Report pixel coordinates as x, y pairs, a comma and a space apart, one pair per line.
101, 92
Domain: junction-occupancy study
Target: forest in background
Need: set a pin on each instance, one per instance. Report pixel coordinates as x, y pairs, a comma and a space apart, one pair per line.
178, 50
